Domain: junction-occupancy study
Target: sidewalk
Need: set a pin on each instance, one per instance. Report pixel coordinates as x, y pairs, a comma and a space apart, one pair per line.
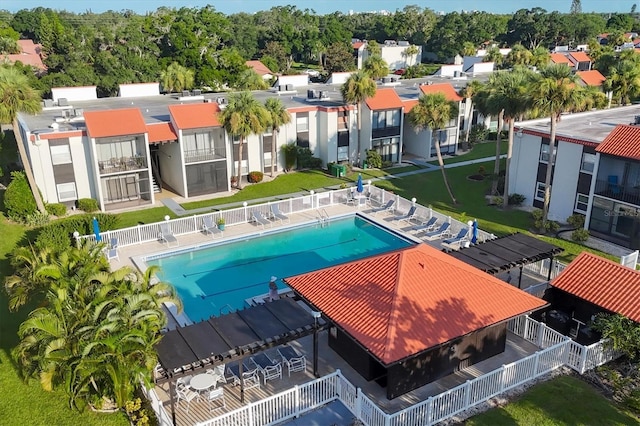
178, 210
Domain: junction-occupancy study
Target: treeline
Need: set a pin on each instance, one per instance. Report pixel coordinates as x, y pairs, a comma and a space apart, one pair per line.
110, 48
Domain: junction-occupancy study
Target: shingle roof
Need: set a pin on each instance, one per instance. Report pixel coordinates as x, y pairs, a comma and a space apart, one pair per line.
259, 67
591, 78
623, 141
580, 57
445, 88
115, 122
559, 58
161, 132
602, 282
385, 98
404, 302
195, 116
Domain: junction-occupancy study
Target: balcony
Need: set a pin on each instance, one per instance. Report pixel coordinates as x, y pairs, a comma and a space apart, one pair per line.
199, 155
625, 193
123, 164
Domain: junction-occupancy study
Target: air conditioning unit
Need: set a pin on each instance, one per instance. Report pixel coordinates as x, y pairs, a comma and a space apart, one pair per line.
66, 114
221, 101
289, 87
197, 92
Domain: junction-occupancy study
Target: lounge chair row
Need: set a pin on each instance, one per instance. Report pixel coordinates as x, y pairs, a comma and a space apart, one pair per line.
275, 216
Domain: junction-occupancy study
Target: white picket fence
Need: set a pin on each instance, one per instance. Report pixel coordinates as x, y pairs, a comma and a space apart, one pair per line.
140, 234
555, 351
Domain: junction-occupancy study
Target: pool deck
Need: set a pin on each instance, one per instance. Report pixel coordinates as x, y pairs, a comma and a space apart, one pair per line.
328, 361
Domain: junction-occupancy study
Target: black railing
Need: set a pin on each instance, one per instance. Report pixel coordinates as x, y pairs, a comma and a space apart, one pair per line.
122, 164
625, 193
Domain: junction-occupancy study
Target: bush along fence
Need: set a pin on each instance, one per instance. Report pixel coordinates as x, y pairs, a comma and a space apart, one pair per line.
314, 201
556, 351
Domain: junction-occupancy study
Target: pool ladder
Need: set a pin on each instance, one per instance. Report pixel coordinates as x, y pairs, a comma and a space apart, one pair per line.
323, 218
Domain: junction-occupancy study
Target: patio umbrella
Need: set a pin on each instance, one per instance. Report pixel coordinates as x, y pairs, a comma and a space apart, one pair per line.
359, 186
474, 232
96, 229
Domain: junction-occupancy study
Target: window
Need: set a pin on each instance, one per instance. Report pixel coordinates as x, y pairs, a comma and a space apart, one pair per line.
386, 119
544, 153
582, 201
588, 163
540, 187
60, 154
343, 146
67, 191
302, 124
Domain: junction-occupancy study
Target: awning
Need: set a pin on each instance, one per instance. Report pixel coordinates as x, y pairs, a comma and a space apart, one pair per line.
502, 254
232, 336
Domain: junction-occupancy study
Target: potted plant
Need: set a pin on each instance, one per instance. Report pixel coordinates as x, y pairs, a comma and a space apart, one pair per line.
221, 223
234, 181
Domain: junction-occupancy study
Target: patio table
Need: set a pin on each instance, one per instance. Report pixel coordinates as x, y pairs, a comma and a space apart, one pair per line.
202, 382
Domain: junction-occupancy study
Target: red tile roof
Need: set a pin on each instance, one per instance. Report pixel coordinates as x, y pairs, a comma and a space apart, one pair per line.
259, 67
30, 54
623, 141
445, 88
384, 99
408, 105
591, 78
559, 58
602, 282
115, 122
404, 302
357, 44
195, 116
580, 57
161, 132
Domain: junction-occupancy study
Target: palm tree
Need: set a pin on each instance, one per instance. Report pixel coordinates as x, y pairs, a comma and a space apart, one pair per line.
554, 91
624, 81
519, 55
16, 95
540, 57
493, 55
376, 67
510, 94
176, 78
469, 91
250, 80
409, 53
434, 112
356, 90
243, 116
279, 116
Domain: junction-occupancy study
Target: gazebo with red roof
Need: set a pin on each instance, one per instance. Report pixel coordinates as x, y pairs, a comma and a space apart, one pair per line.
412, 316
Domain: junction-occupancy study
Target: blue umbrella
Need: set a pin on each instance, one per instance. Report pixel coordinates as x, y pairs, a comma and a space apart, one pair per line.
474, 232
96, 229
359, 186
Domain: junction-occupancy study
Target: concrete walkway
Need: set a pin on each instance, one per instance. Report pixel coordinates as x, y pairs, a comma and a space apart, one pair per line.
178, 210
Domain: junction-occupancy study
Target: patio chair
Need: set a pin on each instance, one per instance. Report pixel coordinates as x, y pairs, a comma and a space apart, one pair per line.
183, 393
292, 359
250, 378
278, 215
269, 368
218, 373
166, 236
439, 233
260, 219
350, 198
425, 226
216, 394
407, 216
208, 227
388, 207
456, 242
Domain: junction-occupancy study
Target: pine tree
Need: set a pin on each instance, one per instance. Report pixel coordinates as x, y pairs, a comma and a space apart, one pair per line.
576, 7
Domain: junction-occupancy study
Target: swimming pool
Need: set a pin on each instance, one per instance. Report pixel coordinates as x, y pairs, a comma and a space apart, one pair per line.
213, 280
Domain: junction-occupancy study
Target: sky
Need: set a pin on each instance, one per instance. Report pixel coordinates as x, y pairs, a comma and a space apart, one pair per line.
320, 6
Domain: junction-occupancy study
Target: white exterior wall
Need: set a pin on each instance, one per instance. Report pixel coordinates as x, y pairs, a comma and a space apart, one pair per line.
481, 68
565, 180
395, 58
314, 144
253, 146
365, 134
416, 143
40, 157
449, 70
523, 170
84, 170
339, 77
173, 171
139, 89
328, 128
84, 93
295, 80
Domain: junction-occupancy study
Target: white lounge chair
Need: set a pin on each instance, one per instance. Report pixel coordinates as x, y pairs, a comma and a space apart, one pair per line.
425, 226
111, 252
166, 236
292, 359
407, 216
216, 394
278, 215
350, 198
439, 233
183, 393
208, 227
388, 207
250, 378
260, 219
269, 368
457, 241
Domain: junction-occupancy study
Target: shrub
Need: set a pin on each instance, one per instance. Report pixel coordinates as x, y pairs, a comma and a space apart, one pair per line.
373, 159
478, 133
37, 218
386, 164
551, 227
56, 209
255, 177
516, 199
58, 235
497, 200
576, 220
18, 198
306, 160
580, 235
481, 170
88, 205
290, 152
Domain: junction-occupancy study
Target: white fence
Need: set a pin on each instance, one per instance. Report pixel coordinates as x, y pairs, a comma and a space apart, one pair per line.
555, 351
193, 224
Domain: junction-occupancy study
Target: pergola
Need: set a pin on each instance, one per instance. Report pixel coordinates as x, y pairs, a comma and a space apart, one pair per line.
232, 337
505, 253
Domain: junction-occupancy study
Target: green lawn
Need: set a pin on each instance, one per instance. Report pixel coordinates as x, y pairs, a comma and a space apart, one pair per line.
479, 150
564, 400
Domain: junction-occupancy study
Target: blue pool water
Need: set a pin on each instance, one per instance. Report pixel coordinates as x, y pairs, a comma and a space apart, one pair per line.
209, 279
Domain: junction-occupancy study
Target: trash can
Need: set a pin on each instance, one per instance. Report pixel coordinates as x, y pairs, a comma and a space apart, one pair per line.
333, 169
364, 164
342, 170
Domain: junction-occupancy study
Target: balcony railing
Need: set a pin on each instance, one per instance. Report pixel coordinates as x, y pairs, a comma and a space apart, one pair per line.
625, 193
122, 164
198, 155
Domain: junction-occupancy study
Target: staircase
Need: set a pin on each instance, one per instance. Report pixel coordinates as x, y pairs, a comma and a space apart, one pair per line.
154, 185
